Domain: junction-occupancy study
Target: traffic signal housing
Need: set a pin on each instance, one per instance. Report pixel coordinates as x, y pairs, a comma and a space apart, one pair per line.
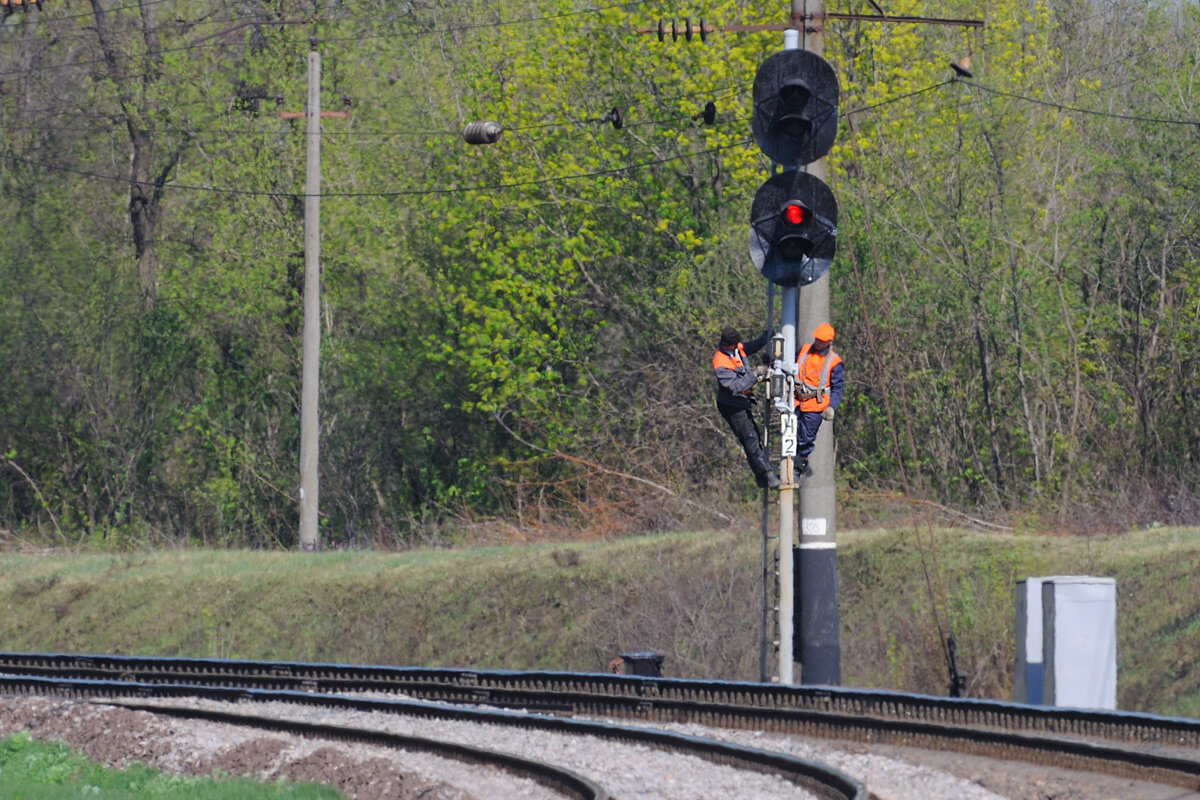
793, 228
793, 221
795, 113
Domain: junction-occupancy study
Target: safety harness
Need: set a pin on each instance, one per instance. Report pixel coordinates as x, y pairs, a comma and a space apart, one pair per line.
807, 391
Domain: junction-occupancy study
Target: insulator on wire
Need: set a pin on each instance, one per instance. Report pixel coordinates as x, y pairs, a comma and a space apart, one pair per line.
708, 114
482, 132
686, 30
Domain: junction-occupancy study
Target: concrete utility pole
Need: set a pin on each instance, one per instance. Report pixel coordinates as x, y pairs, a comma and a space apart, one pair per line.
788, 88
819, 651
310, 374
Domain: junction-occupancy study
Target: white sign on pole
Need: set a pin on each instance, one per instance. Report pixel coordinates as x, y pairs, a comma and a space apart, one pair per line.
787, 435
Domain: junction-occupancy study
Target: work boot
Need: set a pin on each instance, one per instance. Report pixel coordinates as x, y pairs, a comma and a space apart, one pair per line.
802, 466
767, 480
764, 476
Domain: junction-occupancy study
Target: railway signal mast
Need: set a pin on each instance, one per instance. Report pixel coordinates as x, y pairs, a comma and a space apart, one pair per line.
793, 237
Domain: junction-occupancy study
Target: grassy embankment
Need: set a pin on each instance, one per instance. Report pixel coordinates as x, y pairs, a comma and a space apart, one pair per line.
693, 597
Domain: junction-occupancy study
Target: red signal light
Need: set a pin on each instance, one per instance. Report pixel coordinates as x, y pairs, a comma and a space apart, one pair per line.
793, 213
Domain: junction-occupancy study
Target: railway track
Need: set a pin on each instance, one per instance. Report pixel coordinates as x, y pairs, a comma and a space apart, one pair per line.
1139, 747
150, 685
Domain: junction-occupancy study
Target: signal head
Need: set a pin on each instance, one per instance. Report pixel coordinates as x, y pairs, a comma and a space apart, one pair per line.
793, 228
795, 107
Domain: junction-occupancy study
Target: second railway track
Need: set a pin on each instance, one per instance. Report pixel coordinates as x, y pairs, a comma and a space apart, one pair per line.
1139, 747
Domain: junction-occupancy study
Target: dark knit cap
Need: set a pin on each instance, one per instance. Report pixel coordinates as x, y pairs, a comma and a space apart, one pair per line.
730, 337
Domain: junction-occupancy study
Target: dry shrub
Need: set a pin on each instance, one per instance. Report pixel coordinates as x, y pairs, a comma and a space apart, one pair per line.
697, 619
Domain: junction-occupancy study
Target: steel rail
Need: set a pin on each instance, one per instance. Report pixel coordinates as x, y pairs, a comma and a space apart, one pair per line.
820, 779
603, 693
558, 779
1013, 731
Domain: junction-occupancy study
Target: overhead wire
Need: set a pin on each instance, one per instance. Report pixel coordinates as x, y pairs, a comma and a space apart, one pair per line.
240, 23
1077, 110
522, 21
44, 19
359, 134
585, 175
391, 193
666, 120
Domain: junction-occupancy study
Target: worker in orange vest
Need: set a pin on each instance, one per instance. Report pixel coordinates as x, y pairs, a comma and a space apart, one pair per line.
736, 380
819, 379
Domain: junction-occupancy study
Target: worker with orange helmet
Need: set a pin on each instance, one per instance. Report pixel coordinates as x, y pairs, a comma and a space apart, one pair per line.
736, 379
819, 379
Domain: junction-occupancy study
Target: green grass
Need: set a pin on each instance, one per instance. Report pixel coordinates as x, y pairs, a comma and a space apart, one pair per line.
31, 770
694, 597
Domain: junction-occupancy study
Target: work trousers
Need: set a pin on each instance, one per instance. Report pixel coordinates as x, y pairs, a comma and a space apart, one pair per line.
743, 427
807, 425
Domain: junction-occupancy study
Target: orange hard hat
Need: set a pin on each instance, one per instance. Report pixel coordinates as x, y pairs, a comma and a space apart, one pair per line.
824, 332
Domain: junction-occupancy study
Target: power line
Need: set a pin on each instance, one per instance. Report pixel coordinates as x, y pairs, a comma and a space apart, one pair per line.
542, 126
224, 133
1076, 110
245, 22
896, 99
44, 20
392, 193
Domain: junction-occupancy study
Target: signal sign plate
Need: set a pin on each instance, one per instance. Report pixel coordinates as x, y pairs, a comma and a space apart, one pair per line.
787, 435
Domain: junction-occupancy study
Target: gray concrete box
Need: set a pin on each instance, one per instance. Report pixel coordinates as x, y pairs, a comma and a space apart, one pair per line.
1079, 641
1066, 630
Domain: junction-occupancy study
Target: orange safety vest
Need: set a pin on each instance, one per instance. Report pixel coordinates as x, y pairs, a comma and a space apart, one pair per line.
723, 359
812, 378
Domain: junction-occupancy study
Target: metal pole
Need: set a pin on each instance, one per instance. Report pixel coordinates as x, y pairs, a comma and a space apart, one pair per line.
789, 297
309, 379
816, 563
787, 477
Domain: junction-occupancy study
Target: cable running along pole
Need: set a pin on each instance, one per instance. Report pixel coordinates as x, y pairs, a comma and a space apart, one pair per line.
764, 638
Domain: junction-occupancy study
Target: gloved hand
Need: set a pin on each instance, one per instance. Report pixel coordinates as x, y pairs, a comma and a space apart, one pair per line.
827, 413
762, 372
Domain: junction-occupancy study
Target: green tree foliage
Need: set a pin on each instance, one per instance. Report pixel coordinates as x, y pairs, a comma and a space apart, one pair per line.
1020, 257
521, 330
